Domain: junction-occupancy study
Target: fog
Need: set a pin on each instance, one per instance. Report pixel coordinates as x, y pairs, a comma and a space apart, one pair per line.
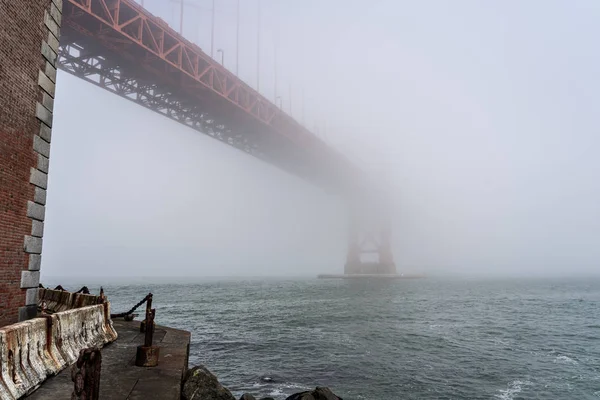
481, 116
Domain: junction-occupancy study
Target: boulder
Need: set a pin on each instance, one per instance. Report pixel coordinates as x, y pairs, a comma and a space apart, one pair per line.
247, 396
320, 393
200, 384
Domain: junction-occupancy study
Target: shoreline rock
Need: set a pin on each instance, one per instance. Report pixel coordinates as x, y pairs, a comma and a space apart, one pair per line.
320, 393
201, 384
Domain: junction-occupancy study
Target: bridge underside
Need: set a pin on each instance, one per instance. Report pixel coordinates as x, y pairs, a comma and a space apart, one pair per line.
121, 77
120, 47
95, 50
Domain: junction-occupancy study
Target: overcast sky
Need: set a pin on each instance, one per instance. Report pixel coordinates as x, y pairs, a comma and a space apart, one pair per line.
482, 116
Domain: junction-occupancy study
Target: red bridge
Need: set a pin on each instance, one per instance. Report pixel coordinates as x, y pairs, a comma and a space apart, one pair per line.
121, 47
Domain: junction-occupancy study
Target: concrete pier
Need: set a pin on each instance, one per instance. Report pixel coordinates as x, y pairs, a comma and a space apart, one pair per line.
370, 276
120, 378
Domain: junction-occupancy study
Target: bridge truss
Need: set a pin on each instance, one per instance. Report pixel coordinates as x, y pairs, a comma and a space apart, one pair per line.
119, 46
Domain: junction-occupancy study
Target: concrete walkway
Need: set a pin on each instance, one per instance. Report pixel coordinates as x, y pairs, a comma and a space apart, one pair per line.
120, 379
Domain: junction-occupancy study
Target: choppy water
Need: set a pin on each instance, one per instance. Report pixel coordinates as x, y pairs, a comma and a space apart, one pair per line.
413, 339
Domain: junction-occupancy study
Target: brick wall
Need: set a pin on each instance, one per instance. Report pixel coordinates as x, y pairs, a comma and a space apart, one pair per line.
29, 32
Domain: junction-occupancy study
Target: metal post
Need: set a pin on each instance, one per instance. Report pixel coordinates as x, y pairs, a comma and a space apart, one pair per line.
85, 375
144, 323
222, 56
148, 337
181, 19
302, 105
275, 69
212, 31
147, 354
258, 51
237, 41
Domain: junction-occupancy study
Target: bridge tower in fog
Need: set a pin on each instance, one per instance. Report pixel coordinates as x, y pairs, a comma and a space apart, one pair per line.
369, 237
365, 243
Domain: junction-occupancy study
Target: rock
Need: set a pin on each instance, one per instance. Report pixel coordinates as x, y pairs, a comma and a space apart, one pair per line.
267, 398
200, 384
247, 396
320, 393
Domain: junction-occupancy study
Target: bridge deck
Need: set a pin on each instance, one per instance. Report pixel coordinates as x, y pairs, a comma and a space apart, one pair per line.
121, 47
120, 378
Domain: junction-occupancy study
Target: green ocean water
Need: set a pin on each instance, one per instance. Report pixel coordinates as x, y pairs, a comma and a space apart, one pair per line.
379, 340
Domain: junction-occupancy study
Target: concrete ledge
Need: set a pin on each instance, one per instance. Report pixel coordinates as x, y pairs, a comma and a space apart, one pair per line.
36, 211
120, 379
47, 84
371, 276
50, 72
27, 312
53, 27
32, 245
58, 4
47, 100
40, 145
30, 279
45, 132
45, 116
43, 163
31, 297
35, 261
47, 51
37, 229
53, 42
56, 14
40, 196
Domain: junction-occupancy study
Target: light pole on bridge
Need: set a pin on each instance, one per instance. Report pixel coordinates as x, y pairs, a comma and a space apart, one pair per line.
291, 114
237, 40
302, 104
181, 18
275, 72
212, 23
212, 30
222, 56
258, 49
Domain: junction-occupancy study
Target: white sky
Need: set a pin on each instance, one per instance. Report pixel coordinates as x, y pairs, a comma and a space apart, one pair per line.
481, 115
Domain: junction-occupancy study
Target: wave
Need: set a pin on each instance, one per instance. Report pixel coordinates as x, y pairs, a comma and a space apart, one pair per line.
565, 360
515, 387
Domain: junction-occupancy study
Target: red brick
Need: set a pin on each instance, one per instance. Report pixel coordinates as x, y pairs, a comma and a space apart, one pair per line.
22, 31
